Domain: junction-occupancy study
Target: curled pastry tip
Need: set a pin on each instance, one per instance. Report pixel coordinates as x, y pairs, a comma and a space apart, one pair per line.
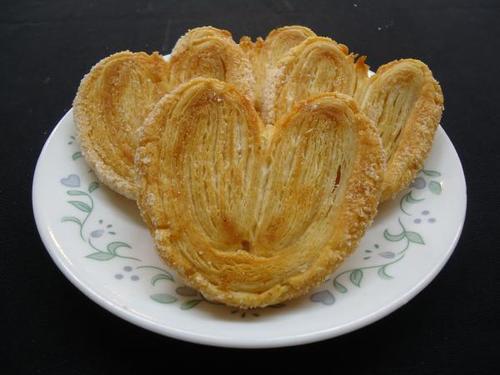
199, 33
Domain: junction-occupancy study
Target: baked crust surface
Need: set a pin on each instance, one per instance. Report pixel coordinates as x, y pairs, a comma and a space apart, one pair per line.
211, 53
406, 103
199, 33
252, 218
111, 103
314, 66
265, 54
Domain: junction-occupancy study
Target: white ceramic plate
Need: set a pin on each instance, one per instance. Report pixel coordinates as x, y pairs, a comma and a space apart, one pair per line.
98, 240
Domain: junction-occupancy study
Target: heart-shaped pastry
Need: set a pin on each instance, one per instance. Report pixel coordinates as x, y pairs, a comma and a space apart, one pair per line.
405, 102
253, 218
111, 104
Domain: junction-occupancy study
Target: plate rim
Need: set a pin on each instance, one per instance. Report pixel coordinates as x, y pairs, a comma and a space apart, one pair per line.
213, 340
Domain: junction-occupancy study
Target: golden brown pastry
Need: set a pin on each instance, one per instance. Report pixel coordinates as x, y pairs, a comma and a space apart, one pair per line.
315, 66
266, 54
405, 102
200, 33
252, 215
211, 53
252, 221
110, 105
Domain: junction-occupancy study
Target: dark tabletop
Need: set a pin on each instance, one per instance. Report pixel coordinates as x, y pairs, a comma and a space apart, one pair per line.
49, 327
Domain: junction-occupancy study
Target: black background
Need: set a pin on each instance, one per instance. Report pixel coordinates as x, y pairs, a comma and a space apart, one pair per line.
49, 327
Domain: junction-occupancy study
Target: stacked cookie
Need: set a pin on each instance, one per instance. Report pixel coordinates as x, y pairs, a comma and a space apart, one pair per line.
256, 166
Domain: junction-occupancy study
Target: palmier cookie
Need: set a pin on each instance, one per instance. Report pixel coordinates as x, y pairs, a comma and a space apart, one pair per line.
251, 221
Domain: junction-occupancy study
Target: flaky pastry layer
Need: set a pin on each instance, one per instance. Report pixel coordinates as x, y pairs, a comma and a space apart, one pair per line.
265, 54
315, 66
251, 219
405, 102
111, 103
211, 53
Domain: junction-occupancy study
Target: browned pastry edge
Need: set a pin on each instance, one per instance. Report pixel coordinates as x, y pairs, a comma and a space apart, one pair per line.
200, 32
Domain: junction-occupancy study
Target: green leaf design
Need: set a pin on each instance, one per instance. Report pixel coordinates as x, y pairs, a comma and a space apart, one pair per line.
100, 255
435, 187
163, 298
76, 192
161, 276
382, 274
431, 173
93, 185
71, 218
339, 287
190, 304
156, 268
414, 237
356, 276
81, 206
113, 246
410, 199
76, 155
393, 237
